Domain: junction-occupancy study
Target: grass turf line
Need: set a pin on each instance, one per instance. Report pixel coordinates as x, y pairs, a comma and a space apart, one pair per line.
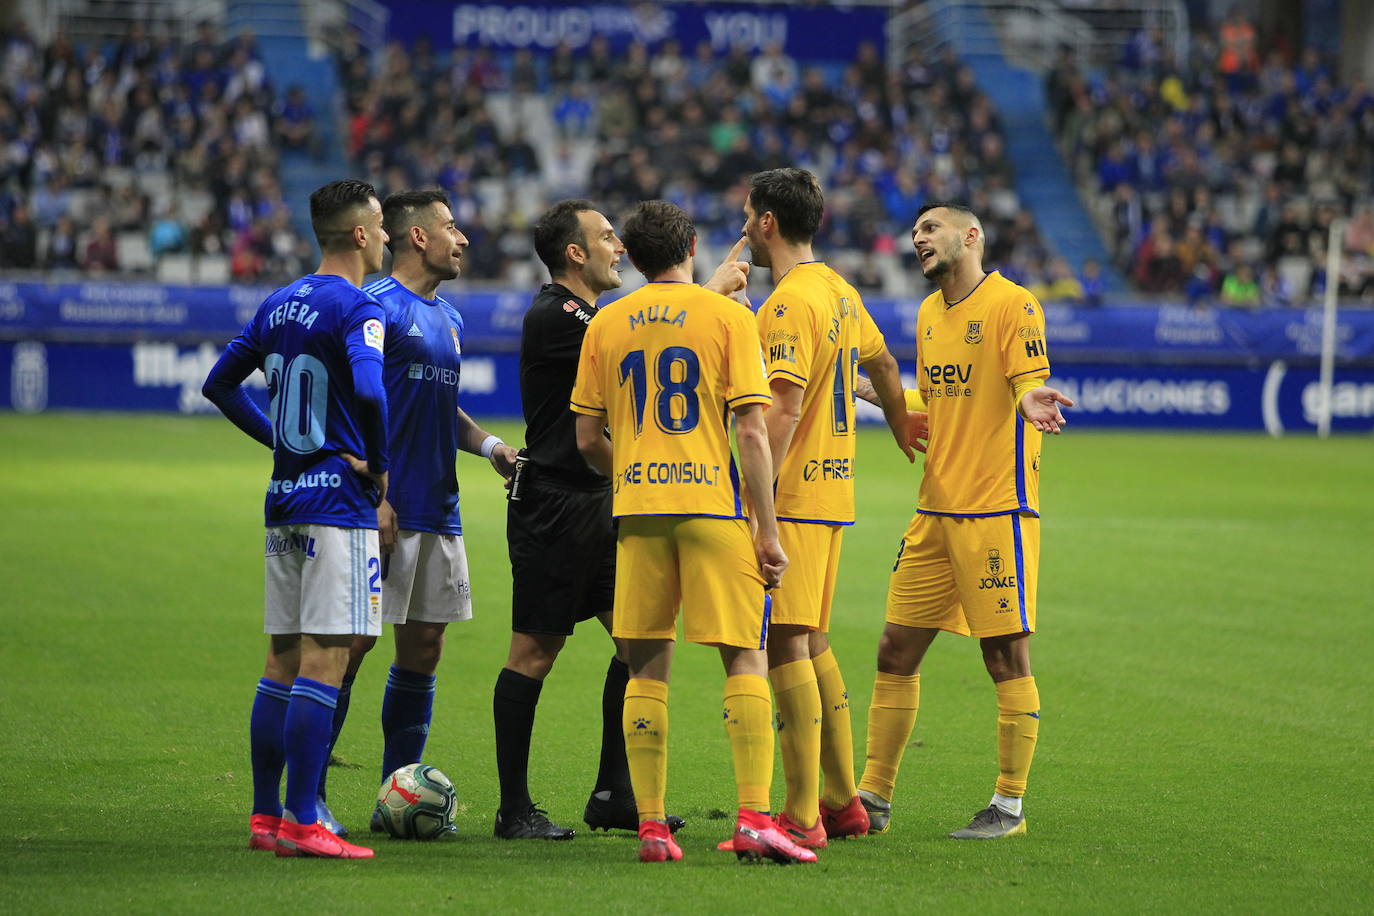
1204, 612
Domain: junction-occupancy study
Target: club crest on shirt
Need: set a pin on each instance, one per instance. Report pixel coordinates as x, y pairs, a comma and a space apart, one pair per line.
457, 347
974, 333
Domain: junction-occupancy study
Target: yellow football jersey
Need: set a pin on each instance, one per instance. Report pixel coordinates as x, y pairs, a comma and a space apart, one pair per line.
666, 365
983, 459
815, 331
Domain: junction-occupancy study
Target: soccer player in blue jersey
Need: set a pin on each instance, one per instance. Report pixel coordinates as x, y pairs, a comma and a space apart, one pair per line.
319, 341
425, 567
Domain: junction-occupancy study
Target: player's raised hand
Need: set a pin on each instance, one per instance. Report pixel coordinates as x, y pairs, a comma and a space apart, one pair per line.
772, 560
386, 527
503, 460
1040, 406
732, 275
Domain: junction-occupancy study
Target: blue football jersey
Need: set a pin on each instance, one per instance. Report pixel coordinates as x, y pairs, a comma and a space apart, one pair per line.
307, 338
424, 358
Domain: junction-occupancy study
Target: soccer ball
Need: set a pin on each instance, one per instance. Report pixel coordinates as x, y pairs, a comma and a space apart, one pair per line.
416, 803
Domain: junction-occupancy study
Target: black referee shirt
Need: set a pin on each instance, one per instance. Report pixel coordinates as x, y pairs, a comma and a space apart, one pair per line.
550, 344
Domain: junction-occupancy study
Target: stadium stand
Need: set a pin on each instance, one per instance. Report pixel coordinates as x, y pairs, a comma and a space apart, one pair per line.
1216, 178
507, 134
147, 156
173, 157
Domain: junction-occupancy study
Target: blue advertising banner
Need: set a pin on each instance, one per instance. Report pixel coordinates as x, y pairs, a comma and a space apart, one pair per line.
1136, 334
820, 32
162, 376
1276, 398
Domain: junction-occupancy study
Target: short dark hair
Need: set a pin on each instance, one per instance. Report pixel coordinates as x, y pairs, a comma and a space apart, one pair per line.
657, 236
400, 209
954, 205
794, 198
558, 228
331, 202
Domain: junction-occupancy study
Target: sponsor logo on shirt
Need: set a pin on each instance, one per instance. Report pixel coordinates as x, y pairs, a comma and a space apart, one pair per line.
949, 380
827, 469
305, 481
426, 372
457, 347
572, 308
782, 353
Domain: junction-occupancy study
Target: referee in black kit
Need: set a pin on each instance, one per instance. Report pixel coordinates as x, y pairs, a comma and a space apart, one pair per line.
558, 525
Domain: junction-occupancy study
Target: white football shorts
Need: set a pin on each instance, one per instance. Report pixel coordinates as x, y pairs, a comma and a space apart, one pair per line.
426, 579
322, 580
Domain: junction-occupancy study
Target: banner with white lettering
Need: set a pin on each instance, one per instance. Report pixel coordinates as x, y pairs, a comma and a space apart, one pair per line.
40, 375
160, 376
1276, 397
1133, 333
819, 32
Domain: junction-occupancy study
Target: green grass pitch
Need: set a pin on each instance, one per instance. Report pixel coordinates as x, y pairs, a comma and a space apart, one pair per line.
1205, 616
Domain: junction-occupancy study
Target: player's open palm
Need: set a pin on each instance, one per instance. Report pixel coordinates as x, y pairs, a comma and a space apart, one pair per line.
772, 560
1040, 406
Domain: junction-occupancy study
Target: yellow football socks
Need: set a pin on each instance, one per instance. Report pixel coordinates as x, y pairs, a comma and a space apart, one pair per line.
646, 743
837, 736
1018, 725
748, 714
799, 737
891, 716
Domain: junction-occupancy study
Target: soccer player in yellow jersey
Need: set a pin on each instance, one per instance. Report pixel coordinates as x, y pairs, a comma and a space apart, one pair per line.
968, 562
665, 368
815, 333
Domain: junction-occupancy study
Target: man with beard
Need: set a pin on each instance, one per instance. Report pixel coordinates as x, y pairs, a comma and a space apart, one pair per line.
815, 334
424, 569
968, 561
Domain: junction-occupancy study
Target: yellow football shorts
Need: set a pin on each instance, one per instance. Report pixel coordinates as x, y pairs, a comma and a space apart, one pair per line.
971, 576
704, 565
813, 554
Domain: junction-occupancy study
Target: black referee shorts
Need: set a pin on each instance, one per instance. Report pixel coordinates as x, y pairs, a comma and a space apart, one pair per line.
562, 556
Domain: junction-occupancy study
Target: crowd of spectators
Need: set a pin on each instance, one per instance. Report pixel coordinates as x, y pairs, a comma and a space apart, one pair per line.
1217, 178
507, 134
145, 152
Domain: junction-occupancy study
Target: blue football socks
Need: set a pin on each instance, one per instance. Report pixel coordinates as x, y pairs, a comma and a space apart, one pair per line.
309, 719
265, 728
406, 709
340, 713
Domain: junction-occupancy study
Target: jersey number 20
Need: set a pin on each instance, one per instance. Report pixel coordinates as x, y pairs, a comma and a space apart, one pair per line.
300, 401
677, 409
